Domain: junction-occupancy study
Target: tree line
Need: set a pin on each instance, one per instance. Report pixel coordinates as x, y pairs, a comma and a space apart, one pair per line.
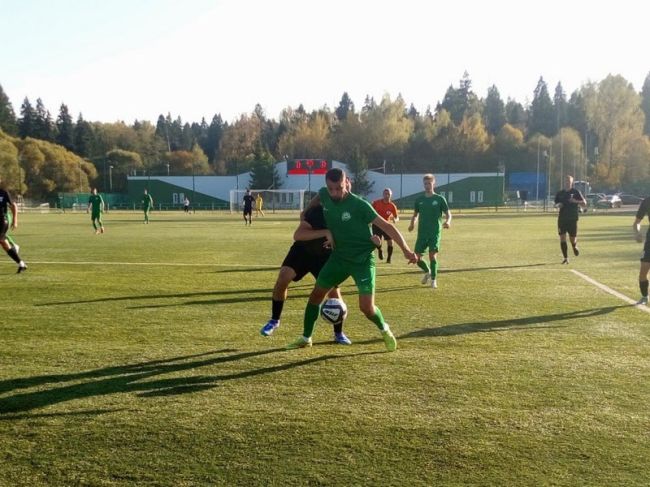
600, 132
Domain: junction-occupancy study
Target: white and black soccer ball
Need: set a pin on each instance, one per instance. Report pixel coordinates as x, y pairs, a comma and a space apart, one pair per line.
334, 311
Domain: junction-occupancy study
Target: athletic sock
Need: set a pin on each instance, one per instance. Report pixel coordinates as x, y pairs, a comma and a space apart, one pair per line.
378, 319
423, 265
311, 315
643, 286
276, 309
564, 248
389, 251
14, 255
338, 328
434, 268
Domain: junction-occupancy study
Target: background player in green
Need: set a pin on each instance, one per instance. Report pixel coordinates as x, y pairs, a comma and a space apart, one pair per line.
9, 219
428, 210
348, 218
96, 207
568, 200
147, 204
642, 212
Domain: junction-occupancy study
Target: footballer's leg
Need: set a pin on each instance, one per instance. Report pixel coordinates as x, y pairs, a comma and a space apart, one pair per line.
13, 253
643, 281
433, 259
389, 250
339, 336
285, 276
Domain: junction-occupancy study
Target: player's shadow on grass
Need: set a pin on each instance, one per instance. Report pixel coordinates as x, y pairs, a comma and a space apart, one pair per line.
238, 292
248, 269
490, 326
417, 270
135, 379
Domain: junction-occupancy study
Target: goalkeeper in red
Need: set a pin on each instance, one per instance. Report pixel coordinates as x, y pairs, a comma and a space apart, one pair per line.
348, 217
428, 212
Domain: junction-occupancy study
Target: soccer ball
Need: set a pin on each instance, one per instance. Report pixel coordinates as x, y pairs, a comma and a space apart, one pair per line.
334, 311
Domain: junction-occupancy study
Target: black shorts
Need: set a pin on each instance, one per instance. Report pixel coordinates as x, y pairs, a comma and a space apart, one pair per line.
303, 262
248, 211
567, 226
646, 249
378, 231
4, 228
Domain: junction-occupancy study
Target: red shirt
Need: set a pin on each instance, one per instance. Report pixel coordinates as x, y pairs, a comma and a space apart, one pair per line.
388, 211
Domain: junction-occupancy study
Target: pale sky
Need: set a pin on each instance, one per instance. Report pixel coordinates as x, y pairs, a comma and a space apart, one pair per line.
135, 59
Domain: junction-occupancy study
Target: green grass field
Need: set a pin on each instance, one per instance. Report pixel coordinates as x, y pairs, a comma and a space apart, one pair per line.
134, 358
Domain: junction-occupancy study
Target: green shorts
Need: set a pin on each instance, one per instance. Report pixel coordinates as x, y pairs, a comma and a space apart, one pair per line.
96, 215
335, 271
432, 242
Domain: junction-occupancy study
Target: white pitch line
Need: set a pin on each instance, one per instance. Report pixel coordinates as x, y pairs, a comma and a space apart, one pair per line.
611, 291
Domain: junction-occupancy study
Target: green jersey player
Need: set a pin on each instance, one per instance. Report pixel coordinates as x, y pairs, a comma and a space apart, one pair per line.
147, 204
348, 217
96, 208
428, 211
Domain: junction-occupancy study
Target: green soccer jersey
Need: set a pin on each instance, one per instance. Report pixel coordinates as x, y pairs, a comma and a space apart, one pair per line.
349, 221
147, 201
430, 210
96, 203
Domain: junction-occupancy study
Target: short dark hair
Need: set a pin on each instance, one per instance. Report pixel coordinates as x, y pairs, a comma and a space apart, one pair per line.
335, 175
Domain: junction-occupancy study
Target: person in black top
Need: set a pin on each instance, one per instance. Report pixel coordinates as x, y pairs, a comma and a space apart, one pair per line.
308, 254
6, 206
568, 200
642, 212
248, 207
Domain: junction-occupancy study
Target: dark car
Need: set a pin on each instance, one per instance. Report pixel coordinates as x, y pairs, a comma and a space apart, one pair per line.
610, 201
630, 199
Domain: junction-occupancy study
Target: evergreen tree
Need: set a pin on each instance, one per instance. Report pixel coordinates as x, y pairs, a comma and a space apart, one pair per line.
560, 106
541, 118
460, 102
645, 104
187, 138
65, 128
213, 140
346, 105
83, 135
515, 114
361, 185
412, 113
43, 125
27, 119
264, 174
7, 115
494, 112
162, 130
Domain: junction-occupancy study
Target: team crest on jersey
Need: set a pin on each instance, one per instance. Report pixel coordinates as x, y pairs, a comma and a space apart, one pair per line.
345, 216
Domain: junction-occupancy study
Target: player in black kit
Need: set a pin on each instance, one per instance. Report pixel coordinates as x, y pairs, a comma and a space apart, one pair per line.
308, 254
248, 207
643, 211
6, 205
568, 200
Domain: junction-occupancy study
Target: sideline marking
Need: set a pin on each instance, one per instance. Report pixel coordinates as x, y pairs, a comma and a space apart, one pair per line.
611, 291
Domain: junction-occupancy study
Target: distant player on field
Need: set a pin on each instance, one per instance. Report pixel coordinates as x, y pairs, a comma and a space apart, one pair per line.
642, 212
388, 211
96, 207
428, 211
568, 200
248, 207
147, 204
259, 203
348, 217
186, 205
9, 207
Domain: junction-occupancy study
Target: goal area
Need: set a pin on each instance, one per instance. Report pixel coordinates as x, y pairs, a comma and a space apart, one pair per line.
272, 199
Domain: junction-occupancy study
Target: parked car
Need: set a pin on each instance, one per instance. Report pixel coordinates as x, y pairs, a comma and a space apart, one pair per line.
610, 201
629, 199
593, 198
